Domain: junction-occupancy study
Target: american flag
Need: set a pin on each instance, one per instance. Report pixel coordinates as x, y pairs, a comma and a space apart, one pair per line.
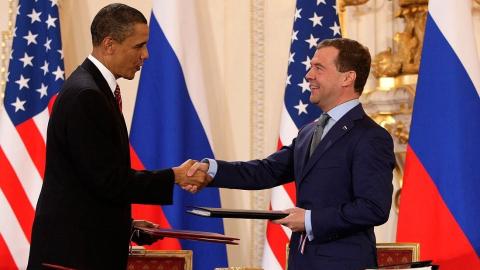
34, 77
314, 20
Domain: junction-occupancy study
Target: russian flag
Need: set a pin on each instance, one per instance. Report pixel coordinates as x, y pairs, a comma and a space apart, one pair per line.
440, 203
171, 124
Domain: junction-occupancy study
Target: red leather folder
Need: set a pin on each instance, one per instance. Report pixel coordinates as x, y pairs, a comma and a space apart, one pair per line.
55, 266
189, 235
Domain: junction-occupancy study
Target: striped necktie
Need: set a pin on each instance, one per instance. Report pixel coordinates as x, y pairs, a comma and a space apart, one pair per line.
118, 97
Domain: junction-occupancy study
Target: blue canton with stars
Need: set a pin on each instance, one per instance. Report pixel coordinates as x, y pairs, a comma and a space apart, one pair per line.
315, 20
36, 70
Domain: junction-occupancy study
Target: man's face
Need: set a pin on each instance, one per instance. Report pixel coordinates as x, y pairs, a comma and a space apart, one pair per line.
128, 55
324, 78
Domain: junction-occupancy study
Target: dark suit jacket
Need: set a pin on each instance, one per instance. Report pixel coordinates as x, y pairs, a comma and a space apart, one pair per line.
347, 184
83, 218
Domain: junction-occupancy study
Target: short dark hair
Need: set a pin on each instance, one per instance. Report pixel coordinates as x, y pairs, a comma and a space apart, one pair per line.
351, 56
115, 20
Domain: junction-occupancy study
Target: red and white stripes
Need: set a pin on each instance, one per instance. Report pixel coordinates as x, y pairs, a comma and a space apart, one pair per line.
283, 197
22, 165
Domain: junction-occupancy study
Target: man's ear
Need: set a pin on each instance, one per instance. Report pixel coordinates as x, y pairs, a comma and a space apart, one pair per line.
349, 78
108, 45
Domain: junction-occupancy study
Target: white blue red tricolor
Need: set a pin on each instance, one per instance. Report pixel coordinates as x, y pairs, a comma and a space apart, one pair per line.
440, 202
171, 124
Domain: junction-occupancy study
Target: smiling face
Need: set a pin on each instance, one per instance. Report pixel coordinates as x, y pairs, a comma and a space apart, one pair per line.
329, 87
125, 58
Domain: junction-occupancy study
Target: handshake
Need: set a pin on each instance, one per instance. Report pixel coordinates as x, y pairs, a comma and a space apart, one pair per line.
192, 175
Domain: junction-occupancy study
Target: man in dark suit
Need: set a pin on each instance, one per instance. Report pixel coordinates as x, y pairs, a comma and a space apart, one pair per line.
342, 166
83, 218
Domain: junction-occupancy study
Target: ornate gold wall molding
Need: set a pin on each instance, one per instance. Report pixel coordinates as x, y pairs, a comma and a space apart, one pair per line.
258, 198
7, 36
341, 8
405, 57
399, 66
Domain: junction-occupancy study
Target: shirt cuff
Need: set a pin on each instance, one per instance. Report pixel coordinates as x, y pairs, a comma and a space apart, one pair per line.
212, 167
308, 224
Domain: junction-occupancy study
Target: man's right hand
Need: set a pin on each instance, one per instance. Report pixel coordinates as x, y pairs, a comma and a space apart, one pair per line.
197, 167
191, 180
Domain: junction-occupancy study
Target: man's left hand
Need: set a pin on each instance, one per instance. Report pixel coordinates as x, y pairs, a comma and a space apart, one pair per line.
295, 220
144, 223
141, 238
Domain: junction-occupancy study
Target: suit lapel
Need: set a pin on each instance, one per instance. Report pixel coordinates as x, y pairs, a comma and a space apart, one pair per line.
99, 79
105, 89
304, 139
342, 127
